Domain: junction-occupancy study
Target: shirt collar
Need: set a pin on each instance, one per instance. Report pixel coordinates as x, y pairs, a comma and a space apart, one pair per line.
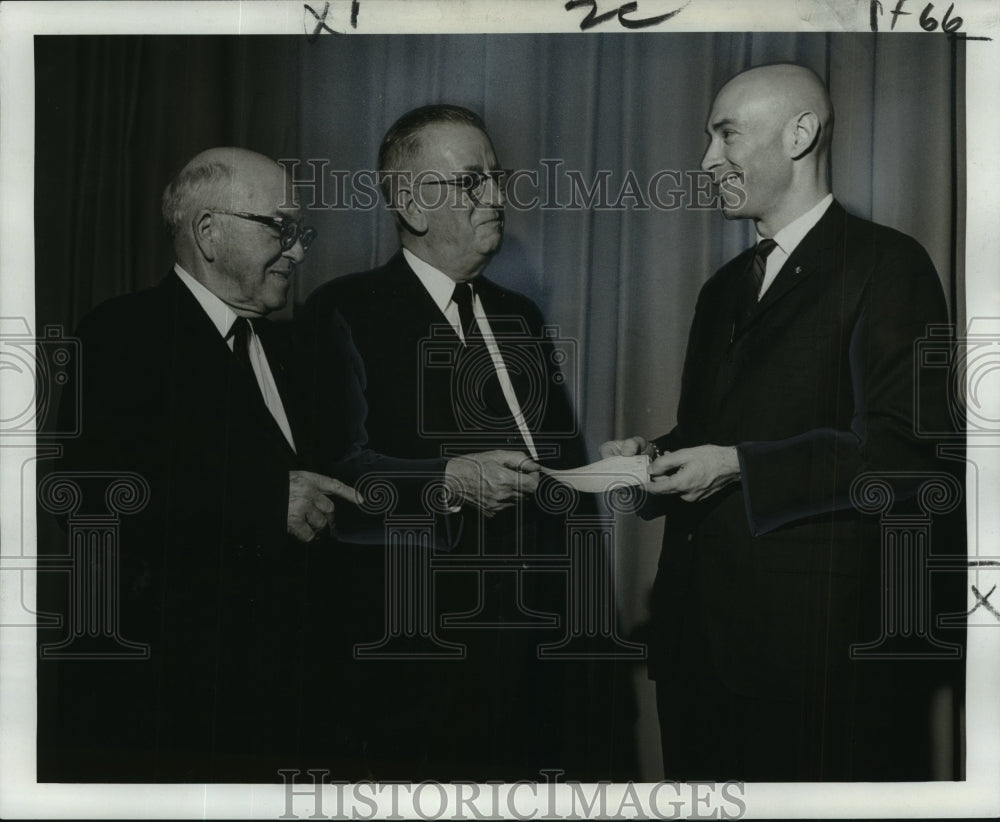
438, 284
791, 235
221, 315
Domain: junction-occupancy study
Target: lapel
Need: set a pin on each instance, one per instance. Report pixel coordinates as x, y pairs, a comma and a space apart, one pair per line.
811, 258
409, 306
523, 370
496, 312
419, 311
277, 347
204, 354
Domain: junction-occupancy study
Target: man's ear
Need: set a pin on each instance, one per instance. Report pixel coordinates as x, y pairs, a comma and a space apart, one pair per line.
805, 130
410, 212
206, 234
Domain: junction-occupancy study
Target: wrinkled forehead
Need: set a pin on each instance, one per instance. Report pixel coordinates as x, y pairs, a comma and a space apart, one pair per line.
454, 147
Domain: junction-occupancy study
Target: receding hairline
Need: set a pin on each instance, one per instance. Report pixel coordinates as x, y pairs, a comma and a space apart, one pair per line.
403, 141
208, 177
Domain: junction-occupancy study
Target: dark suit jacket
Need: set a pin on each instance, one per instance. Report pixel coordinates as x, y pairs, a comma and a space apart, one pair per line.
499, 713
408, 348
209, 578
415, 402
778, 574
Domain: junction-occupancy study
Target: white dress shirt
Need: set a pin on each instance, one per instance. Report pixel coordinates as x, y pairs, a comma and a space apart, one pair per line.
441, 287
788, 238
223, 317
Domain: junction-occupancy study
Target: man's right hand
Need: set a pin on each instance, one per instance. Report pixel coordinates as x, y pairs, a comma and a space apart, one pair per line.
310, 510
491, 480
623, 448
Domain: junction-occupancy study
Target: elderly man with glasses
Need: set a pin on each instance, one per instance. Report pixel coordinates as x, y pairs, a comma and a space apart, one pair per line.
190, 388
456, 362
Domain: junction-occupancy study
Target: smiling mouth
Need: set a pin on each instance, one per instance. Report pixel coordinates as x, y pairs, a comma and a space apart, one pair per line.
284, 275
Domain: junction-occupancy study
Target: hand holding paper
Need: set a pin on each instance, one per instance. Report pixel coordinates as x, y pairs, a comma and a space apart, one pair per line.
492, 480
694, 473
623, 448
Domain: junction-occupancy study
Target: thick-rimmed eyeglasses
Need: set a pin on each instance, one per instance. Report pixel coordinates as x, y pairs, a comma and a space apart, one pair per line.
473, 183
289, 231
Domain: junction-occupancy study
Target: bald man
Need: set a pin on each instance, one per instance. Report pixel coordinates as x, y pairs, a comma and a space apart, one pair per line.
188, 385
798, 379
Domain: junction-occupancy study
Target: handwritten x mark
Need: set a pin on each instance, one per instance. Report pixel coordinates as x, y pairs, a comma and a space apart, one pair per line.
321, 25
982, 600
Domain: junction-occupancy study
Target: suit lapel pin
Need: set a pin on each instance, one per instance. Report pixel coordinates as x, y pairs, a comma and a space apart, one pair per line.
798, 269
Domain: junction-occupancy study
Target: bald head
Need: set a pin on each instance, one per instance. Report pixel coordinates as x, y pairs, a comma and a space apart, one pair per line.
770, 129
785, 91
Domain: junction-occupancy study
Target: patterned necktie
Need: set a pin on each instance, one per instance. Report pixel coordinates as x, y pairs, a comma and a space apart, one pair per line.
764, 248
746, 300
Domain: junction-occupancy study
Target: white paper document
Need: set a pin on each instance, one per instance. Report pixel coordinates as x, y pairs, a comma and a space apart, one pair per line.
603, 475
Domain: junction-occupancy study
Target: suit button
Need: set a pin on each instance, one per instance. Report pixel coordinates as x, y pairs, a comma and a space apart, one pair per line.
691, 537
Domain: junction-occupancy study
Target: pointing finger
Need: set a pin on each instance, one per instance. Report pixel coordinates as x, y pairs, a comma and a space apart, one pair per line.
328, 485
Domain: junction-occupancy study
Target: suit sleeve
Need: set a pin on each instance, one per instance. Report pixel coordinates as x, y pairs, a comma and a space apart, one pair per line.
653, 505
558, 425
811, 473
331, 375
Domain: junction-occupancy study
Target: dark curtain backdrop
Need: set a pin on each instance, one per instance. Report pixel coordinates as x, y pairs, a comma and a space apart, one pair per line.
117, 116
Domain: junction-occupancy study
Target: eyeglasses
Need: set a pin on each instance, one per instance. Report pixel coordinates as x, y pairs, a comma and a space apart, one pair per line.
289, 231
473, 183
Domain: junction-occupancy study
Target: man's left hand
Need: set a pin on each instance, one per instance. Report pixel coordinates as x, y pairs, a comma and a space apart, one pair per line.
696, 472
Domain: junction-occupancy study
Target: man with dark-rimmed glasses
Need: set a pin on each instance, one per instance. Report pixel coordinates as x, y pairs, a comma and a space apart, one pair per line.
188, 389
457, 363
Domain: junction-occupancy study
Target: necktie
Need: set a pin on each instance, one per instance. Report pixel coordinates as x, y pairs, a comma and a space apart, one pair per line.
746, 300
480, 402
240, 332
764, 248
462, 297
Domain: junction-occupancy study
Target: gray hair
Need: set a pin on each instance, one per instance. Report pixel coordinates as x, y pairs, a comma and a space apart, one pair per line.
192, 185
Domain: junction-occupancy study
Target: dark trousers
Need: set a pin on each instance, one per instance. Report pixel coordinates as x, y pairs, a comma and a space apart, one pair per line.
709, 732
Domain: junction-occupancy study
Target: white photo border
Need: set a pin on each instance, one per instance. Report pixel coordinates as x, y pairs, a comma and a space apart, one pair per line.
22, 797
